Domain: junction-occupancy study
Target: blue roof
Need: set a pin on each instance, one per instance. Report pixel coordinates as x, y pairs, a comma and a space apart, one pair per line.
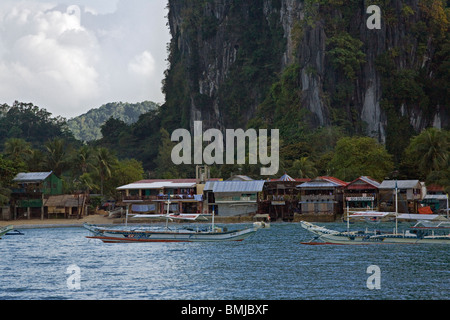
286, 177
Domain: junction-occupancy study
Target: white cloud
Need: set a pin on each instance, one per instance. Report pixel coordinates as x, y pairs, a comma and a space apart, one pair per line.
142, 64
69, 59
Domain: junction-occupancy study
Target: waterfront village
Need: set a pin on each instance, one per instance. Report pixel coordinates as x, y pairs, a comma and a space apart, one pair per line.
38, 195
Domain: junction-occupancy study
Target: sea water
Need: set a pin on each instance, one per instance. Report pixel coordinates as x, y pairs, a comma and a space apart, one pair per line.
270, 265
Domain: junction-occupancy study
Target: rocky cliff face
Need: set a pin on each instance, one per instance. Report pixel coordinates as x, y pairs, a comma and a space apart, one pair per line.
227, 54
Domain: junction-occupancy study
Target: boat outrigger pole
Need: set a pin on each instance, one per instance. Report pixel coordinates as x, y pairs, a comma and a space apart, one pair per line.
348, 220
168, 211
396, 207
212, 221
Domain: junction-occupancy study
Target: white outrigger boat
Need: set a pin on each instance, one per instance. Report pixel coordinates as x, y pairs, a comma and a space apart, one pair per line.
179, 235
5, 230
420, 232
166, 234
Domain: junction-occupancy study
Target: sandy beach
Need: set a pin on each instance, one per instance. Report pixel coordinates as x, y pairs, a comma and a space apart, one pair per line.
38, 223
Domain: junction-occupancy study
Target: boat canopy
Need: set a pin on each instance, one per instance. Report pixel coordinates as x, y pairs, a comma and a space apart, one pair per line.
181, 216
370, 214
413, 216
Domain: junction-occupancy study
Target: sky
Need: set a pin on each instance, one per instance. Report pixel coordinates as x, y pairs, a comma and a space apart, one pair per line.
69, 56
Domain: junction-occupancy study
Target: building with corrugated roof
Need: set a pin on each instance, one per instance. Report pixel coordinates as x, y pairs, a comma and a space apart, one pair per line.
361, 194
409, 195
281, 198
31, 190
322, 196
151, 196
233, 198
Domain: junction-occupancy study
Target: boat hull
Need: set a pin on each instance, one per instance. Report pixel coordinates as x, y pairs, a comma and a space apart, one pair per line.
361, 238
130, 236
5, 230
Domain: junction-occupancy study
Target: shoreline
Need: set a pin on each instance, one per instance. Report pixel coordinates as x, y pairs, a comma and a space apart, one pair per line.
100, 219
56, 223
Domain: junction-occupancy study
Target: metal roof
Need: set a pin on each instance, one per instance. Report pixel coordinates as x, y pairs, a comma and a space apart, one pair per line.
157, 185
318, 184
238, 186
355, 184
322, 183
32, 176
209, 185
286, 177
401, 184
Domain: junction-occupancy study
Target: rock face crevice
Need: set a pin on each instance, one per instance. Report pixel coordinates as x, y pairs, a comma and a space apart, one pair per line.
231, 52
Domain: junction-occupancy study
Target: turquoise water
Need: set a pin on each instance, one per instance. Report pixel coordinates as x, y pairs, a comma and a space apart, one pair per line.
271, 265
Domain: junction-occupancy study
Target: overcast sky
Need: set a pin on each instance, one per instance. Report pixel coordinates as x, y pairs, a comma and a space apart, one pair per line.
69, 56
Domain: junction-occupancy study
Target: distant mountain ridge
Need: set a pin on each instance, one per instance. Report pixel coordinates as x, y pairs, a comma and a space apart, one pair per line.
86, 127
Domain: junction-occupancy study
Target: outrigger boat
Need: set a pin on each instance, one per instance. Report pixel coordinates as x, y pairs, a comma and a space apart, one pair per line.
5, 230
166, 234
420, 232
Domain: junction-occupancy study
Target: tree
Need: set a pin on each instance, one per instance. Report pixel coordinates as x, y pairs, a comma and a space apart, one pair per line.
29, 122
18, 151
56, 159
7, 172
429, 151
346, 53
104, 160
124, 172
360, 156
81, 160
165, 168
303, 168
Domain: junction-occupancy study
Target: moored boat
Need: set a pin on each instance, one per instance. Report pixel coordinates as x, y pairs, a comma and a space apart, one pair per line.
111, 235
5, 230
413, 236
166, 234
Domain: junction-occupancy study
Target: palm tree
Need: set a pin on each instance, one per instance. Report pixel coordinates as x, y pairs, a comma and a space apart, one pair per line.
81, 160
431, 150
304, 168
17, 149
104, 160
34, 160
56, 156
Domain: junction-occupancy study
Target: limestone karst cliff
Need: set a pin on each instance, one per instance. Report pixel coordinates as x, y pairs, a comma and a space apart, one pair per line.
306, 64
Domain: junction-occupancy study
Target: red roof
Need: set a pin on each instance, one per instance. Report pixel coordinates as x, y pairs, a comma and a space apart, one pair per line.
335, 180
435, 188
368, 183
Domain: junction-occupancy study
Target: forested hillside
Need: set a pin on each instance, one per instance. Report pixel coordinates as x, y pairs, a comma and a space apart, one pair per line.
86, 127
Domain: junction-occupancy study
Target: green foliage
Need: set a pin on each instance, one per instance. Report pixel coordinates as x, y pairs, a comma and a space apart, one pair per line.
282, 107
8, 171
346, 54
31, 123
86, 127
303, 168
122, 173
357, 156
429, 151
165, 168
